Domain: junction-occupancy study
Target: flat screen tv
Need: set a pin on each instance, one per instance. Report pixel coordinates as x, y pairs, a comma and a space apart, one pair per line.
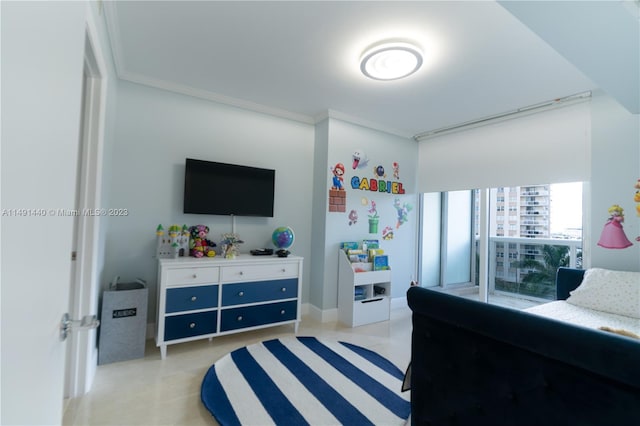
228, 189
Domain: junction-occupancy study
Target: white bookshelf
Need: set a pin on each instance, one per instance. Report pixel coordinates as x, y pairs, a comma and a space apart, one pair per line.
371, 307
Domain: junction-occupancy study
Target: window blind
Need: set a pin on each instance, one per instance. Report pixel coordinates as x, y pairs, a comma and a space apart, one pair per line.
548, 146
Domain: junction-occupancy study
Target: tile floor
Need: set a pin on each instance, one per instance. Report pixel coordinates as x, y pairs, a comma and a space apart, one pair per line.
149, 391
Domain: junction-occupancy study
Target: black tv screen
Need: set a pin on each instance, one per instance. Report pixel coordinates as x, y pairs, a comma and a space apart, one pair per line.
228, 189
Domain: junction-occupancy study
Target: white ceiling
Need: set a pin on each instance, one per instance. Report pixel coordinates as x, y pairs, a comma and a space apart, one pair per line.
299, 60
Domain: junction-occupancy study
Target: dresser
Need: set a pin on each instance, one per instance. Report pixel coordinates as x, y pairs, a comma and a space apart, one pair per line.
203, 298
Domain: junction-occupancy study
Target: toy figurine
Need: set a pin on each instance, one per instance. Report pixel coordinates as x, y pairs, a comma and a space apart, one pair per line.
231, 245
174, 244
199, 245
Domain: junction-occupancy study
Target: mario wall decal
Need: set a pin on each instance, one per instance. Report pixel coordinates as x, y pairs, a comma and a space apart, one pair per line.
337, 194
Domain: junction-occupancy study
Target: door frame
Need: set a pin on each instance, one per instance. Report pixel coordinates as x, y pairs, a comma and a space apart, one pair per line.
82, 354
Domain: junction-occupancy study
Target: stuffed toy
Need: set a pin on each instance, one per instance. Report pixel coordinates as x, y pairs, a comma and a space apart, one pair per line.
620, 331
199, 245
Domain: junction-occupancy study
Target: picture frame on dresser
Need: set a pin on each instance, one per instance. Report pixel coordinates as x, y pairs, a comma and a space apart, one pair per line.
201, 298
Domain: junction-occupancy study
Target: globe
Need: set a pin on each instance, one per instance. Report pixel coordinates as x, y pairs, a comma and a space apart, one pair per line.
283, 237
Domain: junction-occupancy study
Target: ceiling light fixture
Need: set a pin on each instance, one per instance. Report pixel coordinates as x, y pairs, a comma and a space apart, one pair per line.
391, 61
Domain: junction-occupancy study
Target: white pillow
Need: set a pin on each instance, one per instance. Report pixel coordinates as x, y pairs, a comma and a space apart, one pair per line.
616, 292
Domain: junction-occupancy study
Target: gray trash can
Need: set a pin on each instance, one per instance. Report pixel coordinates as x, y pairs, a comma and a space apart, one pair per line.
123, 322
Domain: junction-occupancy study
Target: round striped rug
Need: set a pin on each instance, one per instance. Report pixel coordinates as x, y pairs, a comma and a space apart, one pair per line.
303, 380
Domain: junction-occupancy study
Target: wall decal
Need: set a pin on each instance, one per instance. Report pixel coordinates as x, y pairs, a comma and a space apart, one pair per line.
353, 217
636, 198
613, 236
396, 170
337, 180
403, 211
378, 172
373, 218
360, 160
387, 233
337, 194
376, 185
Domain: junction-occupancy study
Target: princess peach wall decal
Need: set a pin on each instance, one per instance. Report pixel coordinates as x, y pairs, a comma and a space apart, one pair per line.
613, 236
636, 198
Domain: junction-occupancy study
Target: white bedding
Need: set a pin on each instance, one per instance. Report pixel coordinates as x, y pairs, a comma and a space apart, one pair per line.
585, 317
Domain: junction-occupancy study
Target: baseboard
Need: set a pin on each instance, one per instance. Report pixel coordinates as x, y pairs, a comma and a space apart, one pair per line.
399, 302
326, 315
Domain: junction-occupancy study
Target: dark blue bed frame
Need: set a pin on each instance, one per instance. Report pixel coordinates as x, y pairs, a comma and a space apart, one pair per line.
480, 364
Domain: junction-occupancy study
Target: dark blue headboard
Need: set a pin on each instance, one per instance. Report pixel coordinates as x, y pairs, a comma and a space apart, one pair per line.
567, 279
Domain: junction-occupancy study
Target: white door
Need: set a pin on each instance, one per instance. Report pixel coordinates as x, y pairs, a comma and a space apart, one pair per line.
82, 354
42, 57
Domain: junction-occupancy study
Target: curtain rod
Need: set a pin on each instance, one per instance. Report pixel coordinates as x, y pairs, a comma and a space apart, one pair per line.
543, 106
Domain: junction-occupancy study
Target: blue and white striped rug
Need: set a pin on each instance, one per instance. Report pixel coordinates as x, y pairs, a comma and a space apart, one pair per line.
303, 380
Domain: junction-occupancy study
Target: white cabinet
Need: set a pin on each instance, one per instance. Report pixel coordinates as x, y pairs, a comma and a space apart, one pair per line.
363, 297
204, 298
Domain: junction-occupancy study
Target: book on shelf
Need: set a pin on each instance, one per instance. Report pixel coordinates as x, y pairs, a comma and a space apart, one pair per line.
362, 266
359, 293
349, 245
370, 244
381, 263
375, 252
360, 257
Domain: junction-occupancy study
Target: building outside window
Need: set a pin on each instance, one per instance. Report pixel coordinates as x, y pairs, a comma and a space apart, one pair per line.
544, 232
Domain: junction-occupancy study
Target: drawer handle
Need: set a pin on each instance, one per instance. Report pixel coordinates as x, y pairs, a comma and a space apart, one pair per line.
283, 289
239, 317
284, 270
194, 298
282, 312
192, 325
241, 273
194, 276
241, 293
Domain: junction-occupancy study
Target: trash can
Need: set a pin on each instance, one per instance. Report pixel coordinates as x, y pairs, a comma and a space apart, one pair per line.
123, 322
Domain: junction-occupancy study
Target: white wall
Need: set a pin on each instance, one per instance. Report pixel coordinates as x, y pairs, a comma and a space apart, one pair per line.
42, 59
318, 232
155, 131
381, 149
615, 168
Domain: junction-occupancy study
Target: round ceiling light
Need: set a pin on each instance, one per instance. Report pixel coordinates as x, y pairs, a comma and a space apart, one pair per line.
391, 61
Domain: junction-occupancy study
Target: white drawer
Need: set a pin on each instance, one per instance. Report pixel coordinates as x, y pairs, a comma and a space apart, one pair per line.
202, 275
372, 310
258, 272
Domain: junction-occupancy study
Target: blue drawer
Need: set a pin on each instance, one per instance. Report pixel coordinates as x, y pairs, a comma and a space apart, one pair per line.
191, 298
251, 316
260, 291
189, 325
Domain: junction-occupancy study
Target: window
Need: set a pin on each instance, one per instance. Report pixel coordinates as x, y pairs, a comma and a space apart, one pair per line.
447, 248
520, 268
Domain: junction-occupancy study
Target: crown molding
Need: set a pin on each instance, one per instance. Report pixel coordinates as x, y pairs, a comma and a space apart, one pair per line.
215, 97
330, 113
110, 9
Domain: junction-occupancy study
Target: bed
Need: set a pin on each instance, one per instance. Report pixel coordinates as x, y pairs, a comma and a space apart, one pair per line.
479, 364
